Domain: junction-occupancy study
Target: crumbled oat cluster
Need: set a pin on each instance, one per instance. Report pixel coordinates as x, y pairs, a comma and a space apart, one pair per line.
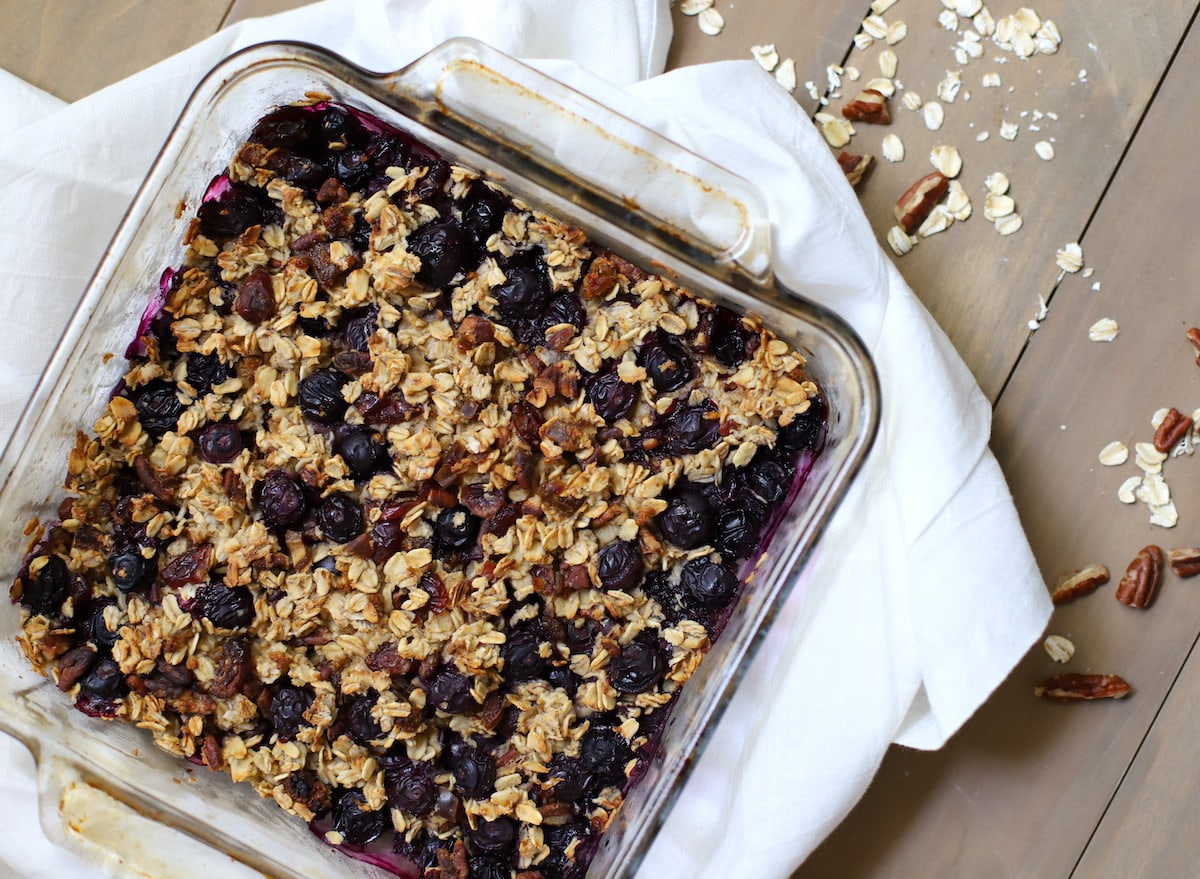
414, 509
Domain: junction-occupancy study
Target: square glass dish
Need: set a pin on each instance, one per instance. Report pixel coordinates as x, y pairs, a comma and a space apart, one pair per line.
105, 790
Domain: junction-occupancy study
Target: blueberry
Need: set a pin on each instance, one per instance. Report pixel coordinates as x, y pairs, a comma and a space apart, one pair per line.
255, 300
572, 778
98, 632
522, 659
281, 499
158, 408
483, 214
735, 533
768, 481
105, 680
497, 835
363, 451
689, 429
456, 529
351, 819
358, 329
804, 432
565, 679
620, 566
352, 167
204, 371
131, 570
474, 774
219, 443
361, 725
579, 635
525, 291
321, 396
443, 251
732, 343
687, 522
46, 592
437, 172
230, 214
285, 127
225, 608
605, 752
669, 366
288, 705
640, 666
340, 518
610, 397
706, 585
450, 691
411, 788
297, 169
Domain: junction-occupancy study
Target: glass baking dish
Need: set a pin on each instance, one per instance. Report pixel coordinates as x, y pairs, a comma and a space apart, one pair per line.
106, 791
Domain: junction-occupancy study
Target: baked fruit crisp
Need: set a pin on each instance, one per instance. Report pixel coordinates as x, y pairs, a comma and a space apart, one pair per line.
415, 508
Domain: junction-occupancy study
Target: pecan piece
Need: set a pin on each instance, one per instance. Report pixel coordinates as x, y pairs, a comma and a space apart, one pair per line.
475, 330
1079, 583
233, 666
1193, 336
332, 192
453, 864
870, 106
1185, 561
74, 664
1140, 583
150, 478
854, 167
918, 200
210, 752
1174, 427
1075, 687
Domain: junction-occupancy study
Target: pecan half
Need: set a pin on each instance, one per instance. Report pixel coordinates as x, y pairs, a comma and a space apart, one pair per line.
74, 665
870, 106
918, 200
1075, 687
1079, 583
1185, 561
854, 167
1174, 427
1140, 583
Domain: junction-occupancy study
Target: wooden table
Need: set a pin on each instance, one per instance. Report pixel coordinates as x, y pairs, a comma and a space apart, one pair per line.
1026, 788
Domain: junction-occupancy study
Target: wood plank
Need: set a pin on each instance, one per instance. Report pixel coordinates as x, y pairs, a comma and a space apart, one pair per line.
241, 9
1022, 787
72, 48
1144, 234
980, 287
821, 37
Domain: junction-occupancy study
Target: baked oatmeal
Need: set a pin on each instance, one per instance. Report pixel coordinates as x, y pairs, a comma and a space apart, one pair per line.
415, 508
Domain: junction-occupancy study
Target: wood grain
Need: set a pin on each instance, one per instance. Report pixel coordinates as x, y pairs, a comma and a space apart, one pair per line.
72, 48
982, 288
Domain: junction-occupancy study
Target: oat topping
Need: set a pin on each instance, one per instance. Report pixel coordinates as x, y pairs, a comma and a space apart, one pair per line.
418, 508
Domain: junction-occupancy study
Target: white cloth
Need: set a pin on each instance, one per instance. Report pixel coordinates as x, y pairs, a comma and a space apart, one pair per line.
923, 594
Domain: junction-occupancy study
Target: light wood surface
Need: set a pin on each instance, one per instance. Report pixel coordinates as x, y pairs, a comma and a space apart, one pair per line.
1027, 788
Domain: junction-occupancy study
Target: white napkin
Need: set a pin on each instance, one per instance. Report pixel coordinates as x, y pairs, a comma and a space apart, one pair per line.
924, 593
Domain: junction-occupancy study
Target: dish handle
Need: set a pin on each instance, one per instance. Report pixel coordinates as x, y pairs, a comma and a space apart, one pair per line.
97, 824
609, 158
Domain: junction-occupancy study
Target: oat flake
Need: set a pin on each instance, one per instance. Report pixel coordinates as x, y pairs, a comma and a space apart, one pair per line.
934, 115
892, 148
785, 74
1103, 330
1059, 648
1114, 454
711, 22
1125, 493
694, 7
